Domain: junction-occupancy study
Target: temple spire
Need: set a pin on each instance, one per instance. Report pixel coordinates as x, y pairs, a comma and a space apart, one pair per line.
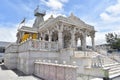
39, 17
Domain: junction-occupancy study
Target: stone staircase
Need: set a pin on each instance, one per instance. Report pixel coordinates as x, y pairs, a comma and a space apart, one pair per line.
103, 61
114, 70
112, 65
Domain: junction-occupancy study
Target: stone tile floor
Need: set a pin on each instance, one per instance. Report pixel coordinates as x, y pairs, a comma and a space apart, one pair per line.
6, 74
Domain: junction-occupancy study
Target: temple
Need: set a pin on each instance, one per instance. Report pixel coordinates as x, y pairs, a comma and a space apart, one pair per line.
52, 46
63, 31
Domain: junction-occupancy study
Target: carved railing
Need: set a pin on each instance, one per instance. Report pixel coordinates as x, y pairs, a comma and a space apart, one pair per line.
84, 54
97, 62
38, 45
11, 48
25, 46
55, 71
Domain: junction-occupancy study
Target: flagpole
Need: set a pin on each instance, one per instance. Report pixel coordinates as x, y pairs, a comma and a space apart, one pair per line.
22, 22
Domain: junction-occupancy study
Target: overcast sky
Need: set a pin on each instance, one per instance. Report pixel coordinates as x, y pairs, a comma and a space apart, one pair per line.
104, 15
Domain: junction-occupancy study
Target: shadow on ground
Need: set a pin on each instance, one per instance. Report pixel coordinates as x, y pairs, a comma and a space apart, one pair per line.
19, 73
3, 67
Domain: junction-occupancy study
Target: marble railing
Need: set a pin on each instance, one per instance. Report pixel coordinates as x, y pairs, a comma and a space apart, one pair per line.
97, 62
11, 48
85, 54
38, 45
24, 46
55, 71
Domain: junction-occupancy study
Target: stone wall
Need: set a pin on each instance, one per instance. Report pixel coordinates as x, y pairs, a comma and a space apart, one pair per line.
52, 71
65, 55
26, 59
23, 62
10, 60
11, 55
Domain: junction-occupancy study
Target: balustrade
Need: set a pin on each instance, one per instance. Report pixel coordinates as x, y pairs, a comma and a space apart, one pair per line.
97, 62
55, 71
38, 45
12, 48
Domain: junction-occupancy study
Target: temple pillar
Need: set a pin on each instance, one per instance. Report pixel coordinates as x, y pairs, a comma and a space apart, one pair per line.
76, 44
84, 42
73, 42
81, 42
92, 34
50, 37
93, 42
43, 37
30, 35
60, 40
60, 36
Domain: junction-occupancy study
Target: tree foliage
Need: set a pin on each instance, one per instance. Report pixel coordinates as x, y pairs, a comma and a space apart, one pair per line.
113, 40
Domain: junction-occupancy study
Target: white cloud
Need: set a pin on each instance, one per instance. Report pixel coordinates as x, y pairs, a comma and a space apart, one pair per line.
54, 13
54, 4
111, 13
8, 33
109, 22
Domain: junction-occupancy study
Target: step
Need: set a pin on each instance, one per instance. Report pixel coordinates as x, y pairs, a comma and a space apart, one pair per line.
114, 72
115, 68
114, 75
111, 65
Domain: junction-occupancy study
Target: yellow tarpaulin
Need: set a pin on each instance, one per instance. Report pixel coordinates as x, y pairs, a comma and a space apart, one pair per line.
34, 36
25, 37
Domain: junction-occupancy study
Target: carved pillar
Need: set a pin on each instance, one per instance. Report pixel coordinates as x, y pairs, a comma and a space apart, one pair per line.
19, 37
93, 40
73, 38
50, 36
60, 40
30, 35
43, 37
84, 41
60, 37
81, 42
76, 43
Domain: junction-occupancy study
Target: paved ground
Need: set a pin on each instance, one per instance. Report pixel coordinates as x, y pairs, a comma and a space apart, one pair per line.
6, 74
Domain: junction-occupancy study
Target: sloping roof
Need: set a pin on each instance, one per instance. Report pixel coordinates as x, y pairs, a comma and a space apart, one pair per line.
28, 29
4, 44
73, 20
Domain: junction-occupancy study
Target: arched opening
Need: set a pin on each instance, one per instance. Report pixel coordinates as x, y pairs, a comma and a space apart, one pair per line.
66, 39
55, 36
79, 42
46, 37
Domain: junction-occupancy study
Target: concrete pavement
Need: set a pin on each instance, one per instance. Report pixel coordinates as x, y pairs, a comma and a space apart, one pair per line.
6, 74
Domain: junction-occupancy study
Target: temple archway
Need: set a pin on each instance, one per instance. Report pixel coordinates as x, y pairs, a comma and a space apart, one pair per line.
55, 36
78, 39
46, 37
66, 39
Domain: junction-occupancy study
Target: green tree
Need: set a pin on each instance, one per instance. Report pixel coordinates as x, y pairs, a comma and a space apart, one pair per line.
113, 40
